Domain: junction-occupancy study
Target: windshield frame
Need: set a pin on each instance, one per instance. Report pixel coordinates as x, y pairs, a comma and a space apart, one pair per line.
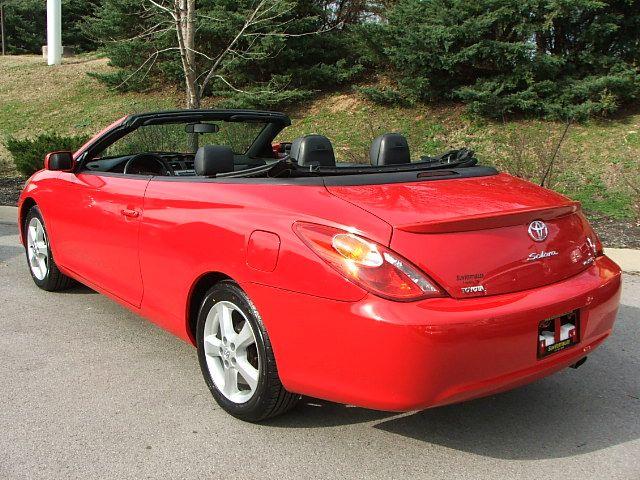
244, 148
275, 123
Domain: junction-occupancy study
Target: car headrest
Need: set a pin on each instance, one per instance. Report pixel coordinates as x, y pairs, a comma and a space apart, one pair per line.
213, 159
389, 149
313, 150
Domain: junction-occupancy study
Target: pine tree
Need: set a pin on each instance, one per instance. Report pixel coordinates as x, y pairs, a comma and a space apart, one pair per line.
265, 70
554, 58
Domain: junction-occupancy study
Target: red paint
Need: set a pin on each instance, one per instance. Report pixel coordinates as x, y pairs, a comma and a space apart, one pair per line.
95, 231
145, 242
439, 227
262, 251
483, 221
501, 255
406, 356
438, 201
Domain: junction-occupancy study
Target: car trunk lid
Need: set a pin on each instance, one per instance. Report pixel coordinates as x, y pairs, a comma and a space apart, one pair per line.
472, 235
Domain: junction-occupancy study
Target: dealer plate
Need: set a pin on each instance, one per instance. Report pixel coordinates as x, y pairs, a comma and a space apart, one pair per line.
558, 333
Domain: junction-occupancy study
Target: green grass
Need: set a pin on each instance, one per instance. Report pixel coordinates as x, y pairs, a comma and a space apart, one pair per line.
35, 98
598, 163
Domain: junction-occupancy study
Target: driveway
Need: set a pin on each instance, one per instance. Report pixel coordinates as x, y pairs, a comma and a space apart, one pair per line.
89, 390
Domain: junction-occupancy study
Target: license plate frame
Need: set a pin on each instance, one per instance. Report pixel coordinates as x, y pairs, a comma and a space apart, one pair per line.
557, 334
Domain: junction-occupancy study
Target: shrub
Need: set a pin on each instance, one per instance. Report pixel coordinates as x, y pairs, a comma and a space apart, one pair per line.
28, 155
385, 96
145, 56
567, 59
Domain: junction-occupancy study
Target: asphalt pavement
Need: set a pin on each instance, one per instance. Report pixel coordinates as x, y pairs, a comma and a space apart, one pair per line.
89, 390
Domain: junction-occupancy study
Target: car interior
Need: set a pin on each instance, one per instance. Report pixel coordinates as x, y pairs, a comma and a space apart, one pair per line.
237, 149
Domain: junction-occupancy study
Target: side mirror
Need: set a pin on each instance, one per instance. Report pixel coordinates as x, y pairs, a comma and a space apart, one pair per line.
59, 161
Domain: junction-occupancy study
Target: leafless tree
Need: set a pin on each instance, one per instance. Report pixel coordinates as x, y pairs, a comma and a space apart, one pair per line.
201, 68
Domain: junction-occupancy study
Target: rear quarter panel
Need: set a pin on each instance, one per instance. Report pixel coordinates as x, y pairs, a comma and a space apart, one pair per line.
191, 228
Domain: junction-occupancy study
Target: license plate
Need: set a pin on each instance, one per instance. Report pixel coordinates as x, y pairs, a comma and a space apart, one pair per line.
558, 333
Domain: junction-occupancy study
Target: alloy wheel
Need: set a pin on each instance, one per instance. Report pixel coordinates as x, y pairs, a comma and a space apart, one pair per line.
37, 249
231, 352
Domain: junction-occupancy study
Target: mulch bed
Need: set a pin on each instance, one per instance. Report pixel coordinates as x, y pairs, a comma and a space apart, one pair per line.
613, 233
616, 233
10, 188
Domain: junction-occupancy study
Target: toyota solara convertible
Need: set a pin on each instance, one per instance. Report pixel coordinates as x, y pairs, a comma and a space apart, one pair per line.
397, 285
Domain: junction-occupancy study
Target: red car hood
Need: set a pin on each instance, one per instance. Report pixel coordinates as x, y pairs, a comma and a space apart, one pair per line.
471, 234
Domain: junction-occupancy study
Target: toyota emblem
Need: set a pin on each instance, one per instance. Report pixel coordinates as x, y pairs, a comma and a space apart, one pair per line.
538, 231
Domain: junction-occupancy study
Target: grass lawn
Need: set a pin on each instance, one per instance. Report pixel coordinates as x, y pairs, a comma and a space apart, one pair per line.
598, 163
35, 98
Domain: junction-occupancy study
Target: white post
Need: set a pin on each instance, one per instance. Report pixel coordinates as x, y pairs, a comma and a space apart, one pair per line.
54, 32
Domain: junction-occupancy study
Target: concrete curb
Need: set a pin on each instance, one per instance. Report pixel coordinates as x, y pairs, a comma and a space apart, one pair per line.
627, 258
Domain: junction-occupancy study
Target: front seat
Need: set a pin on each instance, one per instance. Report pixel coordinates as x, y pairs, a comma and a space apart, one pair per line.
313, 150
213, 159
389, 149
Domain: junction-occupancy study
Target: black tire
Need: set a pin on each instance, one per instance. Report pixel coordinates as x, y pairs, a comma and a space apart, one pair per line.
54, 280
270, 398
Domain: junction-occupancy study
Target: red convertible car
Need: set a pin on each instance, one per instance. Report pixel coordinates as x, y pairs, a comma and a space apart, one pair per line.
397, 285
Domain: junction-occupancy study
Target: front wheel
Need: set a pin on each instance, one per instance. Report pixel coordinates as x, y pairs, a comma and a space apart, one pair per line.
236, 357
43, 268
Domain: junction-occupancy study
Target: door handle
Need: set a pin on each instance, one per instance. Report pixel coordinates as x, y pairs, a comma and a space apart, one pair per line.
130, 213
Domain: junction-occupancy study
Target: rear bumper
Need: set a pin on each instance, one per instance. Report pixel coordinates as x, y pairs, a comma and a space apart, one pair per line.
406, 356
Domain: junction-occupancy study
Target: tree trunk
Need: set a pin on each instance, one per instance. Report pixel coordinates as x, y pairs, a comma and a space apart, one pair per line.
185, 15
193, 92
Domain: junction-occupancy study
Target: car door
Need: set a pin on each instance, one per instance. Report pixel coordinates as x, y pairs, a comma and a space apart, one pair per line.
97, 230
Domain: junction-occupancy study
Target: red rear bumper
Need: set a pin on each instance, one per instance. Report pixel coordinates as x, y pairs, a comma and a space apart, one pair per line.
406, 356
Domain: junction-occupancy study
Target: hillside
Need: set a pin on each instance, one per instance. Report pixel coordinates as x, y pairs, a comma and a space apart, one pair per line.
598, 163
35, 98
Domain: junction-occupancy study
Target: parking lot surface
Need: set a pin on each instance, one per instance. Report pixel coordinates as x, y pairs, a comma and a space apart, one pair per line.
89, 390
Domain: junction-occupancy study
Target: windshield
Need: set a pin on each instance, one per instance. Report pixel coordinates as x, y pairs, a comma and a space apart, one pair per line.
174, 138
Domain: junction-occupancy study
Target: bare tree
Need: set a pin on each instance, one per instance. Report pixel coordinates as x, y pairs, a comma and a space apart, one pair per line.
264, 18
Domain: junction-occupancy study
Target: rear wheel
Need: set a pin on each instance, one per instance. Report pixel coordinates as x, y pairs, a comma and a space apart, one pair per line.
236, 357
42, 266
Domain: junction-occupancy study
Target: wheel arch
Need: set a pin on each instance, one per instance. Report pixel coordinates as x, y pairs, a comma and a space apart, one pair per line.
26, 205
196, 294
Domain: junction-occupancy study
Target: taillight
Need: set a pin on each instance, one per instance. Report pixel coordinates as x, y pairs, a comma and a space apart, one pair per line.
368, 264
593, 241
595, 244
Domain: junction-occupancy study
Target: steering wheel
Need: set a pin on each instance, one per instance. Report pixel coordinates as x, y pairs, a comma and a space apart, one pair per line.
147, 164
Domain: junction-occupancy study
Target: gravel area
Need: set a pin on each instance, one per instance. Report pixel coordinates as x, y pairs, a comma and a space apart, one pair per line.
613, 232
616, 233
10, 188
